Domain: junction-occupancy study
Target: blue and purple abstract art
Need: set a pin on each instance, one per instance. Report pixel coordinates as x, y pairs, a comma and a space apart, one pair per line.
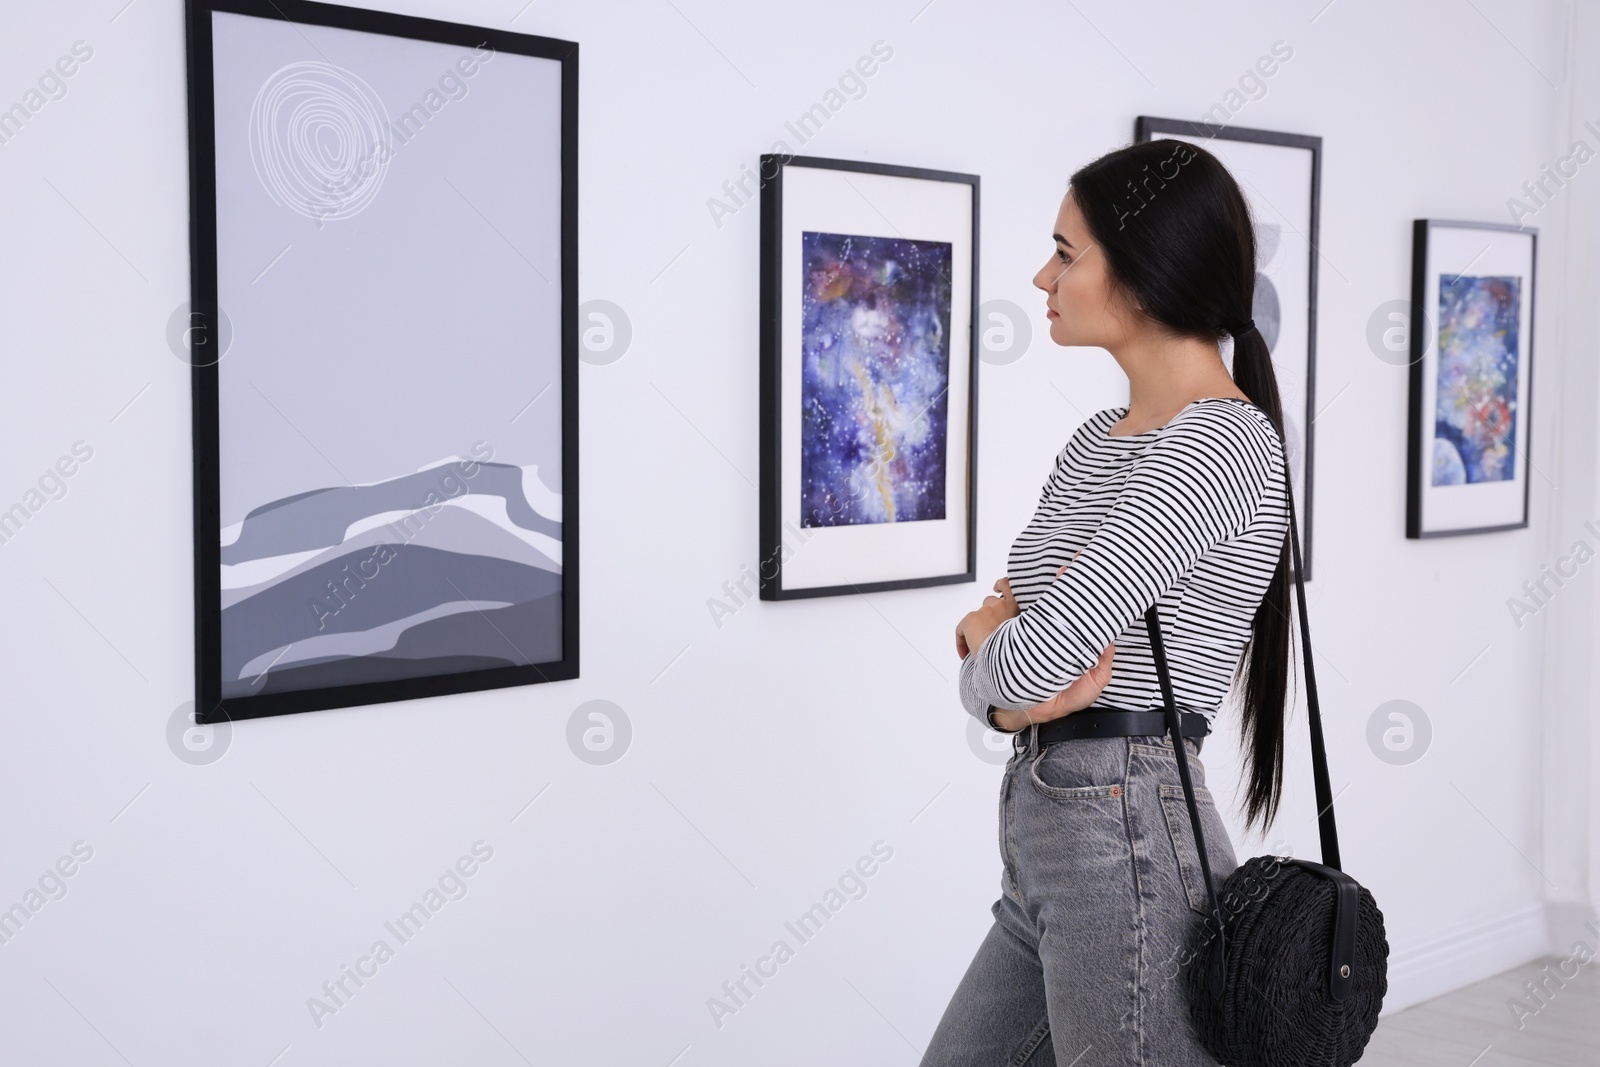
874, 379
1475, 404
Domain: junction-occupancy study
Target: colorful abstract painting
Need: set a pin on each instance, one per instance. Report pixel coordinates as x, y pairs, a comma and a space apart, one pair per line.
874, 378
1476, 391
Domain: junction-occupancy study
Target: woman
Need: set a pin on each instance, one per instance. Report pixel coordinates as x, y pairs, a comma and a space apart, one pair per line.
1178, 500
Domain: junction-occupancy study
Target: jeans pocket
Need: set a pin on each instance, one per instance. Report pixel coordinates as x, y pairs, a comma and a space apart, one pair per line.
1072, 776
1181, 830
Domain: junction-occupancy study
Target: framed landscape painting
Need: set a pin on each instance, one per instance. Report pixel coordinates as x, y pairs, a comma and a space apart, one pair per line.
1280, 175
1470, 417
869, 278
385, 416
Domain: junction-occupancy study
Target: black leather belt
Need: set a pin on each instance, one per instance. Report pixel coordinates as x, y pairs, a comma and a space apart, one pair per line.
1094, 722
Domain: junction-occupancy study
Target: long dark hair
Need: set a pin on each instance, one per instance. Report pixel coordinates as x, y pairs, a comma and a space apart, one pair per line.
1177, 237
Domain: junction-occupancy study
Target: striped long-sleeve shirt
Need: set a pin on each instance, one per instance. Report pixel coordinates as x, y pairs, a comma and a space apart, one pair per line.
1192, 516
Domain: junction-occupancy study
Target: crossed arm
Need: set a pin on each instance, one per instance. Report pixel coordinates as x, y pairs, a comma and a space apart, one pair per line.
1199, 483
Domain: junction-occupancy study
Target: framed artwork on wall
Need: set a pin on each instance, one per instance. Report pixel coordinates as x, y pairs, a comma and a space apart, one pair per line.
1470, 419
383, 242
1281, 177
869, 282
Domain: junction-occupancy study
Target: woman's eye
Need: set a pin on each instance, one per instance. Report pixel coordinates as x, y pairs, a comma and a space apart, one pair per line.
1063, 257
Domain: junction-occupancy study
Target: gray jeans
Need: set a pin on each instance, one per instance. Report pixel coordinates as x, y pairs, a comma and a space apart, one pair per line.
1100, 892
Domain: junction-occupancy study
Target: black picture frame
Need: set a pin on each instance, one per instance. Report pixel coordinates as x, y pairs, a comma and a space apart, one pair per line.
1422, 342
210, 705
773, 167
1147, 128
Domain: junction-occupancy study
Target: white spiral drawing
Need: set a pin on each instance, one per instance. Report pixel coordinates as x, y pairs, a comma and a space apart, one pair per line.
318, 140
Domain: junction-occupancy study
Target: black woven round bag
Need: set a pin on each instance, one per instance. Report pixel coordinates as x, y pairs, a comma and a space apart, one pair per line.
1281, 1000
1291, 966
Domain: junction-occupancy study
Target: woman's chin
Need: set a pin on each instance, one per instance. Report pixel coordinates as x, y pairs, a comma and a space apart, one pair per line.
1063, 336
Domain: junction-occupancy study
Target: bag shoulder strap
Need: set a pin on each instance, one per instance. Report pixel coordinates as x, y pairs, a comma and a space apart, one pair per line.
1326, 827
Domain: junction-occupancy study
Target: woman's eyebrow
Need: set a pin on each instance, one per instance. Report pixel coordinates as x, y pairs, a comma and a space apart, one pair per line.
1062, 239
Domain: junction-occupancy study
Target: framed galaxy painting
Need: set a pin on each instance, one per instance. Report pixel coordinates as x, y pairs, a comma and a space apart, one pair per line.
382, 331
869, 281
1471, 377
1280, 175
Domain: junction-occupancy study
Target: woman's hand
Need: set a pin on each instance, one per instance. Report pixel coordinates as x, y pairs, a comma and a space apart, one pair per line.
1083, 691
976, 626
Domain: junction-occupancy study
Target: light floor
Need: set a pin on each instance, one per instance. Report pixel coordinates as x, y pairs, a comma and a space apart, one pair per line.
1474, 1027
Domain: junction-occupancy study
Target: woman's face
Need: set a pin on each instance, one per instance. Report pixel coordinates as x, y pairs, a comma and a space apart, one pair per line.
1084, 308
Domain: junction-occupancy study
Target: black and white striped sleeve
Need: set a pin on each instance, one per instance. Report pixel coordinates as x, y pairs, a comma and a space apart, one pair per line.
972, 698
1200, 482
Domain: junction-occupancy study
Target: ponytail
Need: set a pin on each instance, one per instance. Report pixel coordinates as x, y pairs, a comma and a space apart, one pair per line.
1263, 671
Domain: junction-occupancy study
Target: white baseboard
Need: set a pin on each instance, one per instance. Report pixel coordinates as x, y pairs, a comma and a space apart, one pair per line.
1448, 962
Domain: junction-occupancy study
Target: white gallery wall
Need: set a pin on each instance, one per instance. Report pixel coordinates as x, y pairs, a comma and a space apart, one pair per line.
770, 747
